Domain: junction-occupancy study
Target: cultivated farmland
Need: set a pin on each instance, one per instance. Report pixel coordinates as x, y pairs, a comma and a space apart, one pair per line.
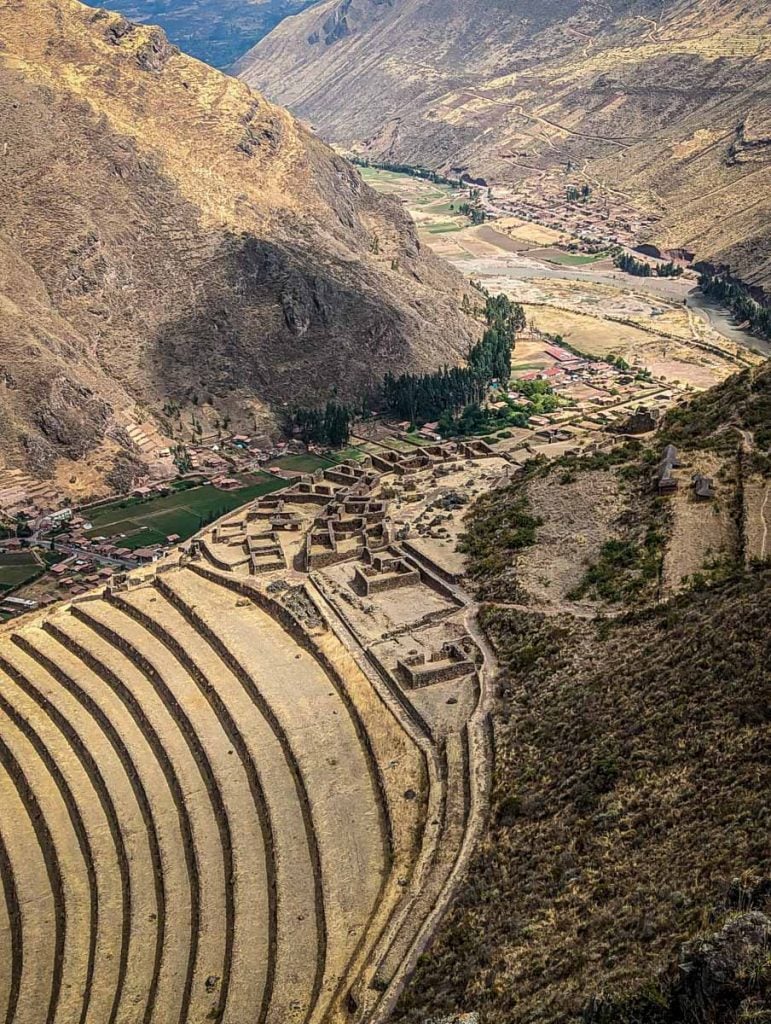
184, 512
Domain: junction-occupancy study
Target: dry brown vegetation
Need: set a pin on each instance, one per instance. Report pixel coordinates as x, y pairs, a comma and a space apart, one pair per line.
718, 419
631, 769
569, 533
630, 789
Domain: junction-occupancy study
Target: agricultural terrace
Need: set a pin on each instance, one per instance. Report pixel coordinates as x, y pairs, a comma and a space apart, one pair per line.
240, 790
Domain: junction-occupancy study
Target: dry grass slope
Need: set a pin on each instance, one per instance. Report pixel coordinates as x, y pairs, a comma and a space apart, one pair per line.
631, 734
630, 790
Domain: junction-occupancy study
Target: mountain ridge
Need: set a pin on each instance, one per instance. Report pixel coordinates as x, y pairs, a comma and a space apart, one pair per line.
177, 241
215, 32
669, 106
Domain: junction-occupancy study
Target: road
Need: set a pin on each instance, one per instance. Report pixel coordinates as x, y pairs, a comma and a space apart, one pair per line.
115, 563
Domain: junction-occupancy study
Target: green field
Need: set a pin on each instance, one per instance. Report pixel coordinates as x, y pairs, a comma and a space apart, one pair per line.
445, 227
449, 207
525, 367
423, 190
16, 568
570, 259
304, 463
375, 174
347, 453
397, 444
369, 447
384, 181
183, 512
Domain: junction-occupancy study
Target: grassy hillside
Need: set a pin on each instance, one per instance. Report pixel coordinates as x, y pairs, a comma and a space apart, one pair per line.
720, 417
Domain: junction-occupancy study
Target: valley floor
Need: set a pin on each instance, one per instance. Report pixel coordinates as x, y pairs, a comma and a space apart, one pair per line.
528, 261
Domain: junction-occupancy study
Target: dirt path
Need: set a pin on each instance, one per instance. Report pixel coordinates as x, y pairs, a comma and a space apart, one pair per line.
560, 609
569, 131
719, 319
764, 521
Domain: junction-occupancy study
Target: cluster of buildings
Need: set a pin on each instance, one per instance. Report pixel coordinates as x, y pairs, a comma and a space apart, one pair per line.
601, 221
341, 510
218, 463
10, 606
78, 573
241, 453
598, 396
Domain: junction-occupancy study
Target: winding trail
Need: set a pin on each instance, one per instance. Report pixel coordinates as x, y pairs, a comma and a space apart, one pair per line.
764, 521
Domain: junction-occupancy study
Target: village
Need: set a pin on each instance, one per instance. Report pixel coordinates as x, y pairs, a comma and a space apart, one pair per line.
591, 218
54, 550
578, 217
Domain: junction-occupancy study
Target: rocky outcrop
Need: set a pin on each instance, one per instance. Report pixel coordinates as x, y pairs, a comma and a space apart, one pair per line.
726, 976
722, 978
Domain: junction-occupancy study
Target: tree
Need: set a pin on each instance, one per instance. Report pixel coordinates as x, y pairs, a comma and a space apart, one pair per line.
639, 268
332, 426
670, 269
734, 295
419, 398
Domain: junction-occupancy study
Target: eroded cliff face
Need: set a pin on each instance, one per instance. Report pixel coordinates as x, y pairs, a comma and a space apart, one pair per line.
168, 236
669, 106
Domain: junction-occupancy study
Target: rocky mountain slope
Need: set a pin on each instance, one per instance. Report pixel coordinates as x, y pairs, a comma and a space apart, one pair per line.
215, 31
623, 875
668, 104
629, 797
171, 241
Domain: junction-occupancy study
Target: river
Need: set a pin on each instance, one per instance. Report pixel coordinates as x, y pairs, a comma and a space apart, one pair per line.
719, 318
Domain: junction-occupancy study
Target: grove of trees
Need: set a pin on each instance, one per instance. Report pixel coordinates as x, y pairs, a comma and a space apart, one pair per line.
640, 268
452, 395
330, 426
739, 301
424, 397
